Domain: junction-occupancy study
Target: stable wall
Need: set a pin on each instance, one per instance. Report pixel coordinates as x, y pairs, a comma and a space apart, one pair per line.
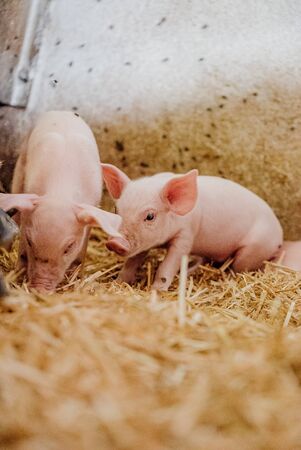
176, 84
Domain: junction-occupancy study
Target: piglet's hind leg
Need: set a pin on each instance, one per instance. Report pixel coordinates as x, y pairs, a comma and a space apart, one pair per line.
252, 257
194, 264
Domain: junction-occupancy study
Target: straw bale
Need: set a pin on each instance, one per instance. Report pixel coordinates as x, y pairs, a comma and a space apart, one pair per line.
99, 365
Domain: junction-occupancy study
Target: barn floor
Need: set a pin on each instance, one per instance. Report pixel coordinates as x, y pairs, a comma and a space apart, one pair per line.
103, 366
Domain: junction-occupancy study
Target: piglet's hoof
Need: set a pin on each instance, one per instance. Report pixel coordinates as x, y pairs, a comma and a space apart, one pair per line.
161, 285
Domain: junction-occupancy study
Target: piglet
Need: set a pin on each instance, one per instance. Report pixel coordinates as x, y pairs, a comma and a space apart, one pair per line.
57, 184
194, 215
8, 231
290, 255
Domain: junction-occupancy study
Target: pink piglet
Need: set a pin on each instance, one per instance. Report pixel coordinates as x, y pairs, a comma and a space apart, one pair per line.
210, 217
290, 255
57, 186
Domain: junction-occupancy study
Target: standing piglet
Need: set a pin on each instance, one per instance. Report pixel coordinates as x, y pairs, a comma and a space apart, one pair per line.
200, 215
56, 186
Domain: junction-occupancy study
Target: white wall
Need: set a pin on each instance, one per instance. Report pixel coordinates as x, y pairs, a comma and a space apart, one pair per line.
175, 84
246, 45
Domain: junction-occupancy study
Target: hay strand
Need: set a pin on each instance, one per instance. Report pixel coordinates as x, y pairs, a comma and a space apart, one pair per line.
182, 291
289, 313
214, 363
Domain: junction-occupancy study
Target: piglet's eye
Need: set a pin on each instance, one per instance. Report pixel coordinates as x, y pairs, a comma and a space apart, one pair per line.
149, 217
69, 247
29, 242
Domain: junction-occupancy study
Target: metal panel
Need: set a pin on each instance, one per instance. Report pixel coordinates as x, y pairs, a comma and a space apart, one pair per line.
19, 22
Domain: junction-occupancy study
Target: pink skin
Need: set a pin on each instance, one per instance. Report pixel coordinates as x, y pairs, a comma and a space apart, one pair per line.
210, 217
57, 185
290, 255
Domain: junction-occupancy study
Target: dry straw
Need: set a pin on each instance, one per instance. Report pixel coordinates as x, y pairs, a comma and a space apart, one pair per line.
182, 291
104, 366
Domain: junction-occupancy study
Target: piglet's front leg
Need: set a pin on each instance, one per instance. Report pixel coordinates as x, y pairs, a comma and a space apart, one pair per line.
171, 264
128, 271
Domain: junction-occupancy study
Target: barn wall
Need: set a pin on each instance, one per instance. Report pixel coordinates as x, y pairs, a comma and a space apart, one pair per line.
176, 84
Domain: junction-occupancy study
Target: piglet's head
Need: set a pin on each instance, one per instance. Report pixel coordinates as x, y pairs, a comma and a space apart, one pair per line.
53, 234
151, 207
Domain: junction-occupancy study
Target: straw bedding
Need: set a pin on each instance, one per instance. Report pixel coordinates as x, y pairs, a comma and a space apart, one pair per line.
105, 366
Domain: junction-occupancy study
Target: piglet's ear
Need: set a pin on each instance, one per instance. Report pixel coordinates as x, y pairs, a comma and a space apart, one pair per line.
96, 217
22, 202
180, 193
115, 180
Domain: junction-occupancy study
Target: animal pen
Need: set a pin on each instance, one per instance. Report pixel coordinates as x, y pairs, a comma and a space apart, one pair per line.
169, 85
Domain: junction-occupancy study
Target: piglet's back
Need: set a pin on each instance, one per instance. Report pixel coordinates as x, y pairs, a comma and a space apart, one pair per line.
63, 160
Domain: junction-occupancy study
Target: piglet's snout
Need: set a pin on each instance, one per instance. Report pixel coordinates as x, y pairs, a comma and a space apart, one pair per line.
43, 284
43, 287
119, 246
